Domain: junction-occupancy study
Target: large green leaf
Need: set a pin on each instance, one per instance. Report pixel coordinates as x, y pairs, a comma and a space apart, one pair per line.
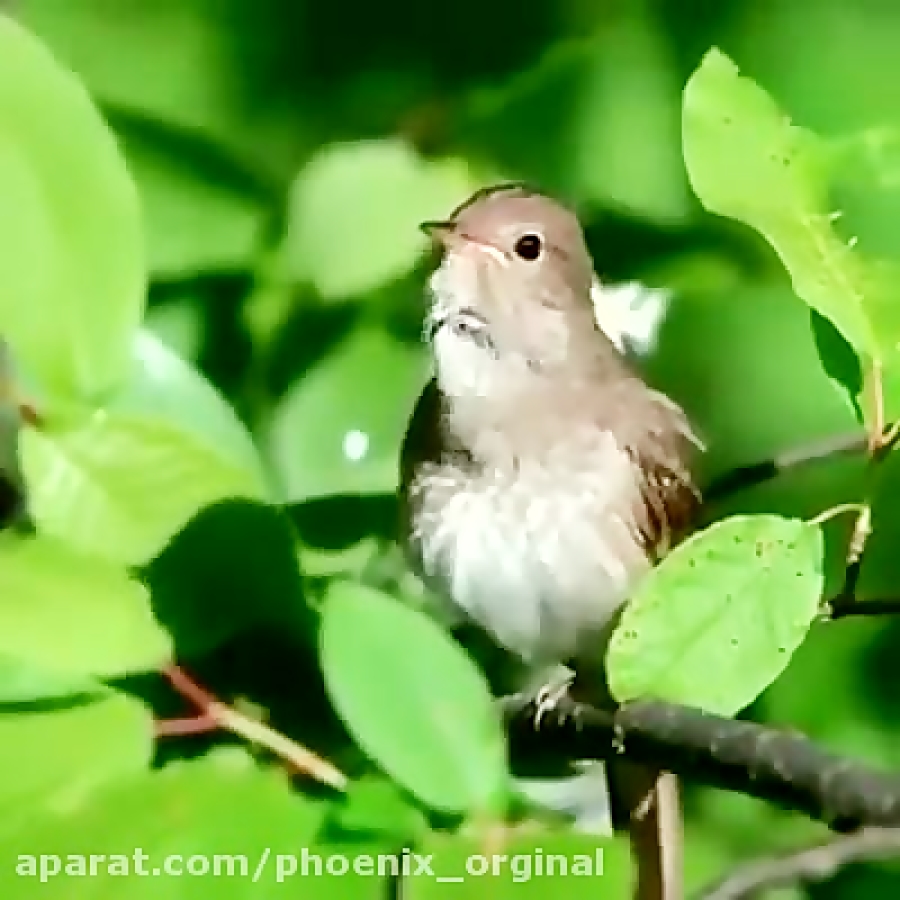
339, 428
72, 278
24, 682
124, 480
355, 211
748, 162
55, 758
222, 811
72, 613
717, 621
417, 705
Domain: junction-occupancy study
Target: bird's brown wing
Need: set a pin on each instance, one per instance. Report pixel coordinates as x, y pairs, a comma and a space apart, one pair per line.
661, 449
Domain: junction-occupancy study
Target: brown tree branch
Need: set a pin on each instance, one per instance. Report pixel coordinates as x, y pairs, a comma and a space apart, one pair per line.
812, 864
760, 761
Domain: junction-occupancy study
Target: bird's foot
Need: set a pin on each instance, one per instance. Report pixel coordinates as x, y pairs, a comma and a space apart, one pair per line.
549, 695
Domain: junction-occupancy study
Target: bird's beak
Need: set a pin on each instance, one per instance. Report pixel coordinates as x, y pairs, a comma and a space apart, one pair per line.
440, 232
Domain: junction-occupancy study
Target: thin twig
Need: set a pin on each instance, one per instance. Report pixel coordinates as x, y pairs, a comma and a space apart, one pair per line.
745, 477
212, 711
839, 510
201, 724
812, 864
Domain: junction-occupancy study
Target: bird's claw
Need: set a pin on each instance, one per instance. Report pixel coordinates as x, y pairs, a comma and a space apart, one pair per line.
548, 697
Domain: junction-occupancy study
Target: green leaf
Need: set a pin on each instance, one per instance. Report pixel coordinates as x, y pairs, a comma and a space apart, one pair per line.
376, 809
413, 700
180, 325
24, 682
212, 86
55, 758
196, 219
74, 614
123, 481
355, 209
222, 809
340, 426
72, 278
595, 119
746, 161
717, 621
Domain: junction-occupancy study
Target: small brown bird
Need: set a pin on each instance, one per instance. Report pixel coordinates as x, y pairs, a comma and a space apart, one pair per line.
540, 476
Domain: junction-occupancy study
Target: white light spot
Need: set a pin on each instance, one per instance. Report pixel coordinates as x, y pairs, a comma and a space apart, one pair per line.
356, 444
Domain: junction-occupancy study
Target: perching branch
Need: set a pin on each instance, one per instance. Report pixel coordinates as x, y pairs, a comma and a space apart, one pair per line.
763, 762
812, 864
755, 474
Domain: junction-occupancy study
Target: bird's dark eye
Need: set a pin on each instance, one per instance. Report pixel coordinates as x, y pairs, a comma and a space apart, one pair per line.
529, 246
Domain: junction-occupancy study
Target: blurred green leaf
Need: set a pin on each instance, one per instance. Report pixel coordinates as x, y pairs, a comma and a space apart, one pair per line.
73, 613
195, 220
414, 701
54, 758
831, 61
717, 621
178, 324
24, 682
596, 120
124, 480
198, 65
744, 364
376, 809
222, 807
169, 60
339, 428
72, 279
746, 161
355, 210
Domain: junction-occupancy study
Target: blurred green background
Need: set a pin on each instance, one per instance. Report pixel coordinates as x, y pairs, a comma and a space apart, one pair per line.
285, 151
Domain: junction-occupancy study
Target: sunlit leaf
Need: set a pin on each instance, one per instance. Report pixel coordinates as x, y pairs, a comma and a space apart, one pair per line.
179, 324
222, 810
339, 428
375, 808
355, 210
717, 621
72, 278
416, 704
53, 758
748, 162
122, 482
73, 613
24, 682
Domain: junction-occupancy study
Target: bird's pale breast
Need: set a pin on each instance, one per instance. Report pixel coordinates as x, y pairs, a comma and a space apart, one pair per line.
539, 553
